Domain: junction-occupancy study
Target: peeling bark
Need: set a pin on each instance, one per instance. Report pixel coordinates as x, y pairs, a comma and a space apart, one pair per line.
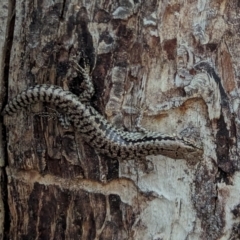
172, 64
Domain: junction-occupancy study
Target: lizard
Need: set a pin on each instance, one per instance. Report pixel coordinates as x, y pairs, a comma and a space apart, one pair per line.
100, 134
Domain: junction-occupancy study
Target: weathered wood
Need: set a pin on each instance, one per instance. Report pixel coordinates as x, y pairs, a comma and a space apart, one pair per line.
142, 55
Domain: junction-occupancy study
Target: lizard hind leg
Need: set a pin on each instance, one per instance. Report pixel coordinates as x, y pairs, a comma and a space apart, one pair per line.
138, 121
87, 84
53, 114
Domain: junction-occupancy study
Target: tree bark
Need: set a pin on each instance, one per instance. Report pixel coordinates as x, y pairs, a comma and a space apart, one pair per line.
175, 63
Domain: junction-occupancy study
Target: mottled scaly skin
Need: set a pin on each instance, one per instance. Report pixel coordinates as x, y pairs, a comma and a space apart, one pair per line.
99, 133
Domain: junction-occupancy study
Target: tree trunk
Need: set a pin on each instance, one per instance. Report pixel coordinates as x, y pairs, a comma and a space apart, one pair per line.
171, 64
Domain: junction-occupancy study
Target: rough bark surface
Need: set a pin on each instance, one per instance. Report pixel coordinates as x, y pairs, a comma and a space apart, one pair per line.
142, 55
5, 35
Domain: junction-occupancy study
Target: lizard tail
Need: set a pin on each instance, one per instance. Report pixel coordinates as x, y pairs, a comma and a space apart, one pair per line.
43, 93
